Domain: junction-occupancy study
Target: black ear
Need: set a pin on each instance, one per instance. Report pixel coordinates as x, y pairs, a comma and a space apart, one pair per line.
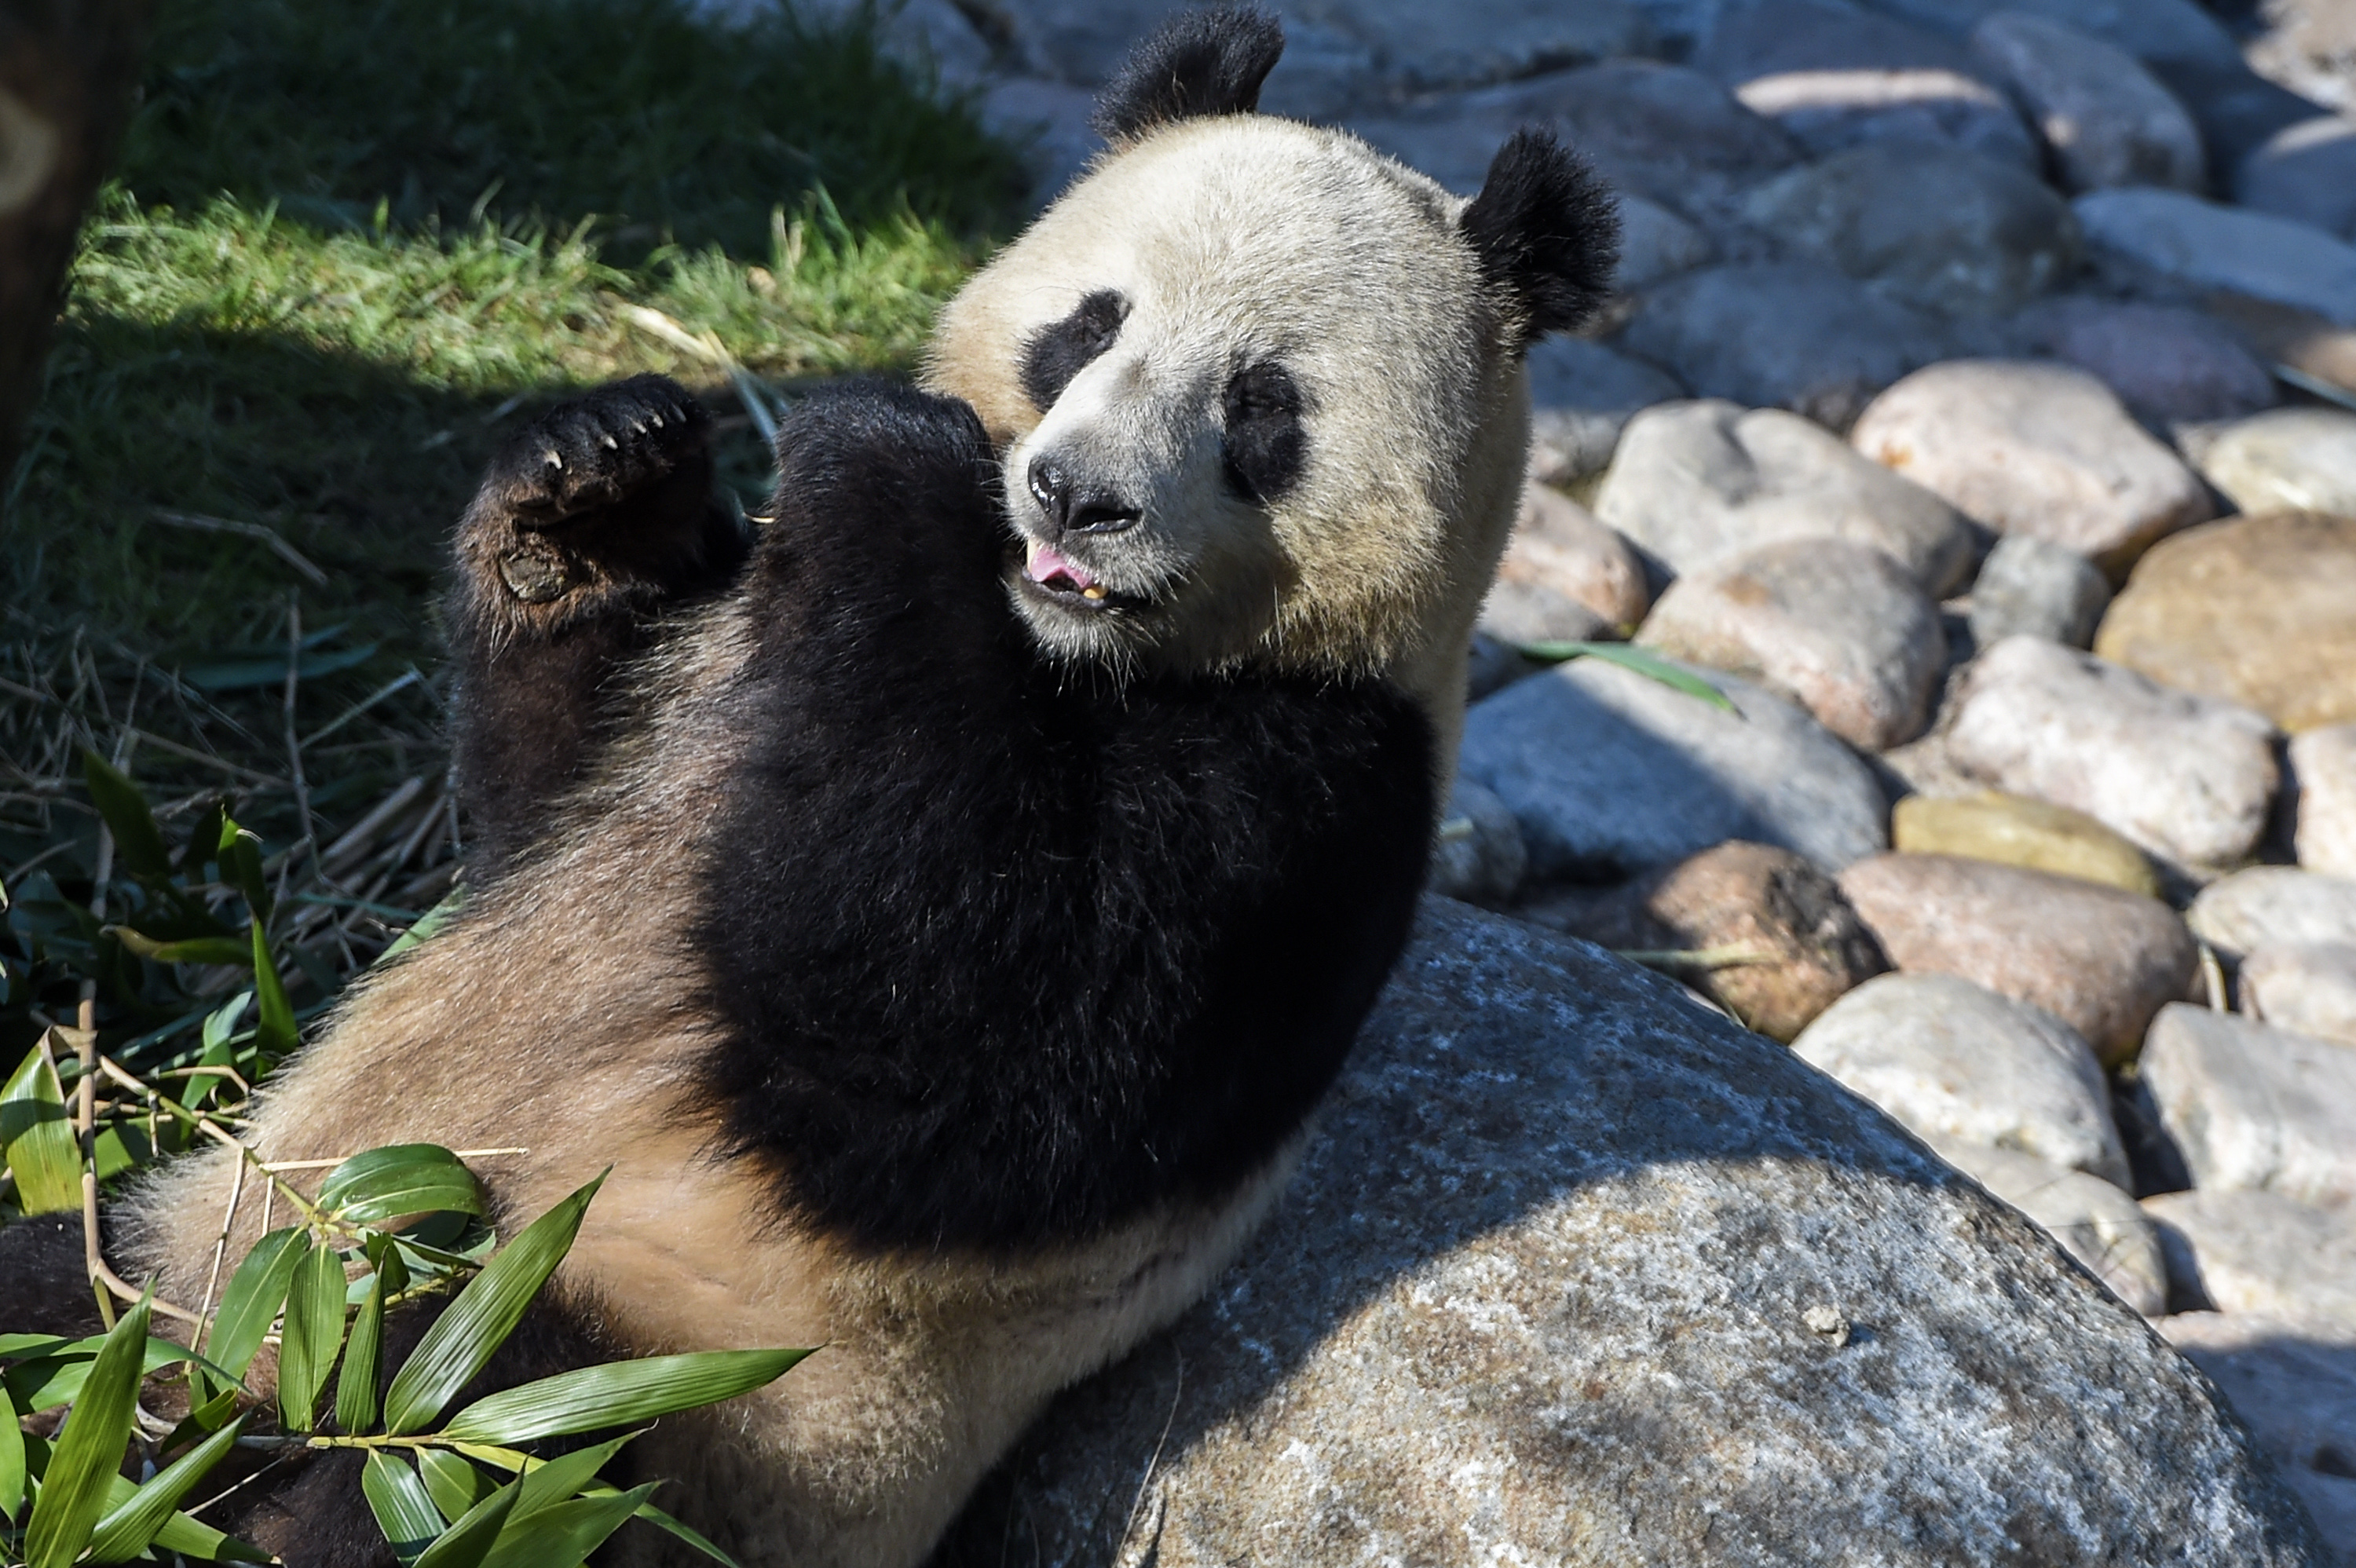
1201, 62
1547, 232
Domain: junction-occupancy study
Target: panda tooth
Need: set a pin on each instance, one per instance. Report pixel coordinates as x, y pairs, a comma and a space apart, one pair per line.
1092, 592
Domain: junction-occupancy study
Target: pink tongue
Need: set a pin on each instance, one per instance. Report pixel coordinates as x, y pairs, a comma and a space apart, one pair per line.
1049, 569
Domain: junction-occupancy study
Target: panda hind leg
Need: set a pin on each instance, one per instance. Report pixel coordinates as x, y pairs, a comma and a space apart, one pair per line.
595, 517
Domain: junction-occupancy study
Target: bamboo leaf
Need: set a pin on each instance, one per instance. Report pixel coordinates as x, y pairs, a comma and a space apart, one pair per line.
404, 1509
38, 1137
12, 1458
431, 921
90, 1450
665, 1522
557, 1479
1627, 655
255, 1293
564, 1535
314, 1332
355, 1404
131, 1526
240, 854
273, 1023
455, 1485
194, 949
485, 1312
468, 1543
402, 1179
138, 842
44, 1383
621, 1393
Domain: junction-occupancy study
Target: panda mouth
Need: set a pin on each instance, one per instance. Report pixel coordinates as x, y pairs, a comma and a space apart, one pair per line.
1050, 574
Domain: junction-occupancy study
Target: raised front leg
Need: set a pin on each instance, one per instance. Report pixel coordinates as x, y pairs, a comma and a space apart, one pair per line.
597, 514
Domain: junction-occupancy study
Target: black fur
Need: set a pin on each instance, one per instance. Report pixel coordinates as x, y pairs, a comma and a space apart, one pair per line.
1012, 952
44, 1282
1062, 349
1267, 435
1201, 62
1547, 233
561, 567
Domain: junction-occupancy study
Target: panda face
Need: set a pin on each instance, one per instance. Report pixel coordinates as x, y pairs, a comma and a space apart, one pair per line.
1235, 374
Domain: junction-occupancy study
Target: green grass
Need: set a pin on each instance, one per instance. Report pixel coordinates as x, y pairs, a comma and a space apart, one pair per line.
351, 245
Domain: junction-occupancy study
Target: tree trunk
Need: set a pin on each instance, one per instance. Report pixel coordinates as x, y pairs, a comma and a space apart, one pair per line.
67, 71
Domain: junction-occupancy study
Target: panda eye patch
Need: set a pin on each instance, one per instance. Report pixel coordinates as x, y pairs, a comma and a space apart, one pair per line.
1266, 444
1062, 349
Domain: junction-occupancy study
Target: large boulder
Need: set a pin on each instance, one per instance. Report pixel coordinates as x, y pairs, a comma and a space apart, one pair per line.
2180, 244
1575, 1271
2108, 123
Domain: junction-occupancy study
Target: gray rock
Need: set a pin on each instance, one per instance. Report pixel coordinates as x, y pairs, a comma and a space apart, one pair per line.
1477, 854
2188, 779
1048, 121
2296, 1391
1956, 1063
931, 35
1574, 1267
1489, 40
1697, 483
2151, 30
2166, 364
1796, 334
2095, 1223
2272, 906
1946, 230
1611, 773
1581, 396
1325, 74
1559, 548
2099, 958
1523, 612
2027, 587
2285, 459
2306, 172
1656, 244
2324, 763
2308, 987
1837, 77
2247, 1251
1664, 132
1839, 628
2027, 446
2181, 244
2236, 108
2254, 1107
1494, 665
2107, 119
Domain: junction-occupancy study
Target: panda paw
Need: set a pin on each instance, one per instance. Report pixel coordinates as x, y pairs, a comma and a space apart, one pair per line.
609, 495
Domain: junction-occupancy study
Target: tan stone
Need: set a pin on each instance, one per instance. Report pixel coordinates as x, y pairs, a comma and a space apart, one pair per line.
1773, 940
1558, 545
2014, 830
2101, 959
2260, 611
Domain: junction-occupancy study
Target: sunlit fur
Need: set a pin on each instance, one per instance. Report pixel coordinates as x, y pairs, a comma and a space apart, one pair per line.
1243, 237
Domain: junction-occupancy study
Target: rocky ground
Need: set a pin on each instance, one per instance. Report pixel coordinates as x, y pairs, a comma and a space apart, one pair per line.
1976, 414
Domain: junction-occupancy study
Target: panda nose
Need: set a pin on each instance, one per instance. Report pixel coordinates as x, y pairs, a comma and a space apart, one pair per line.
1076, 509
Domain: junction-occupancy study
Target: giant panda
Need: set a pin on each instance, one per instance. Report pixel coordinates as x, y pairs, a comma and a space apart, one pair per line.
945, 911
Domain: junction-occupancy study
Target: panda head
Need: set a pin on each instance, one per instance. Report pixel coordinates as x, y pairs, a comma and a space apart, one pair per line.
1257, 387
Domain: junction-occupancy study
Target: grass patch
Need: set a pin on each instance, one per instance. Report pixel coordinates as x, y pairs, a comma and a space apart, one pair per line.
351, 243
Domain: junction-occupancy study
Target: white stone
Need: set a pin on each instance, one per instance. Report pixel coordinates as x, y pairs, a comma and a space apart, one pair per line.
1558, 549
1954, 1061
2308, 987
1696, 483
1611, 773
2301, 459
2254, 1107
1837, 77
1581, 396
2169, 238
2107, 120
2027, 587
1477, 853
2190, 779
2272, 906
2027, 447
2261, 1252
2295, 1388
1803, 335
2324, 763
2095, 1223
1839, 627
1943, 230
